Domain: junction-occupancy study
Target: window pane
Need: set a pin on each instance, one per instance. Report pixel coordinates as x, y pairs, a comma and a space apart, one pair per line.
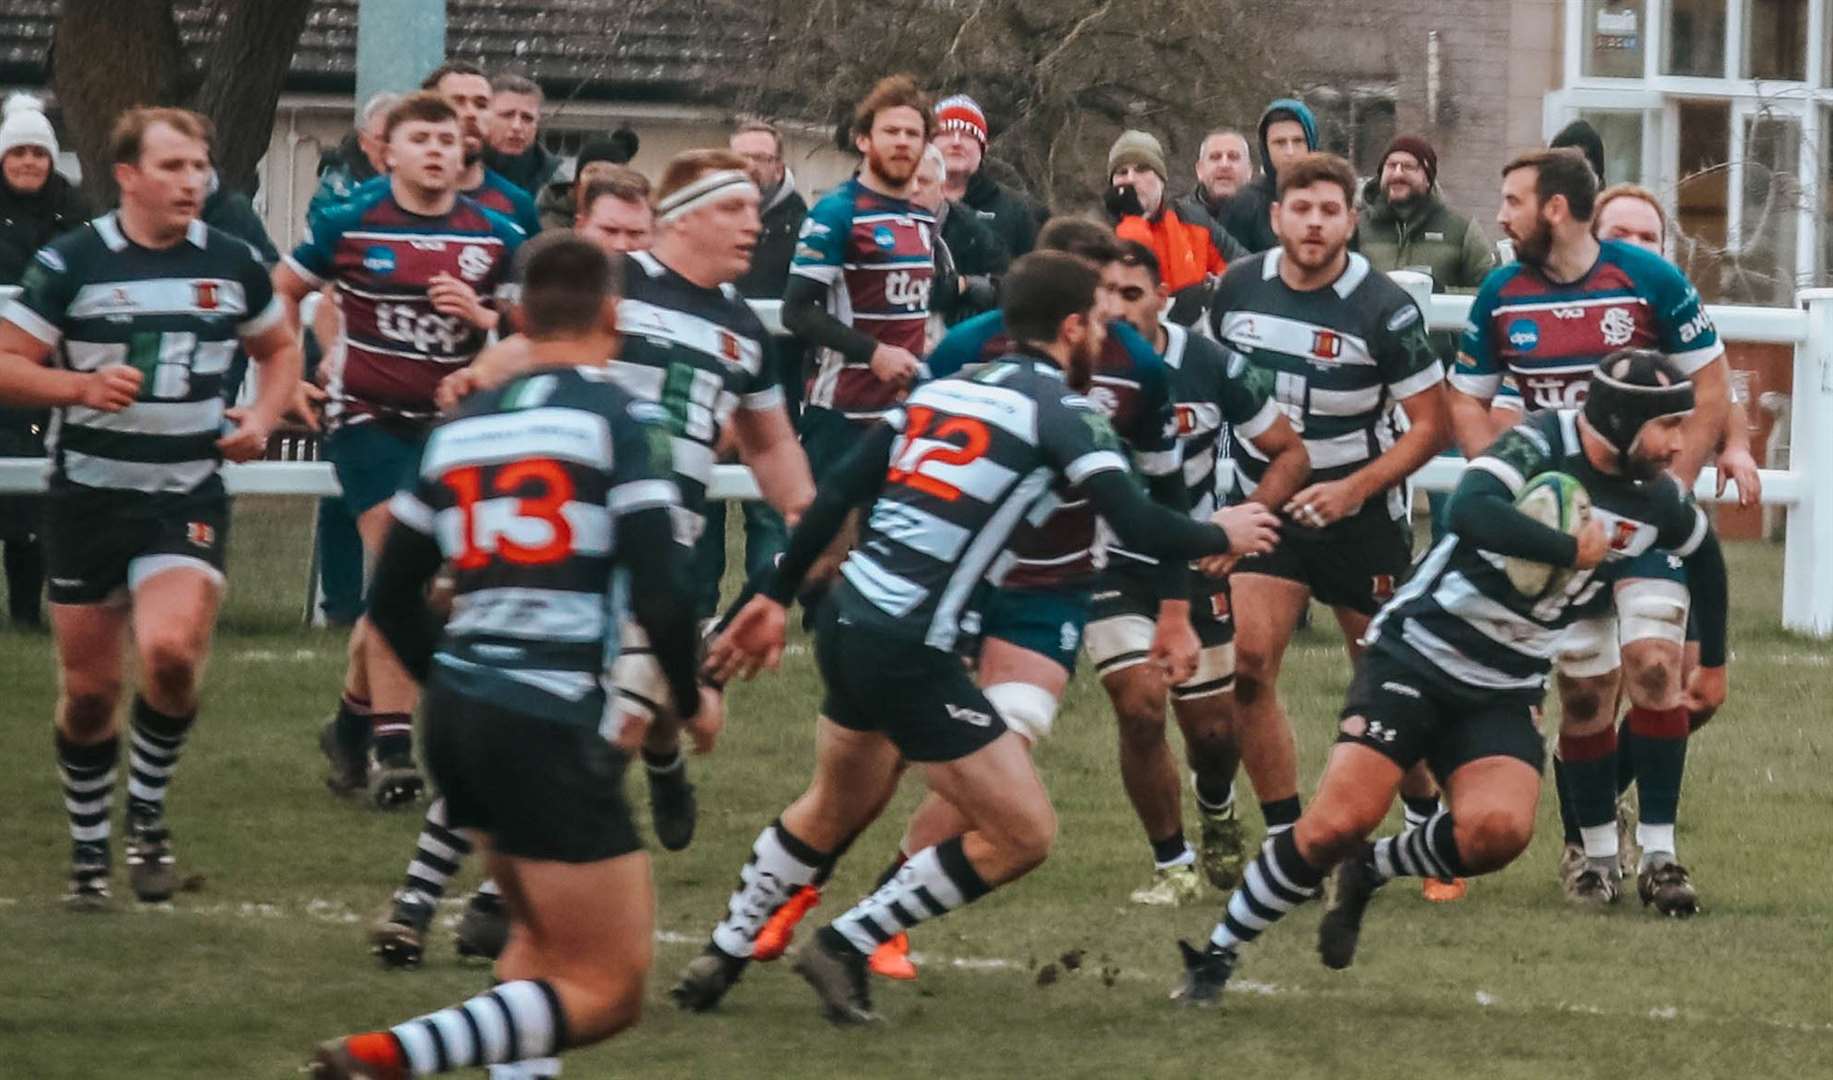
1622, 135
1695, 38
1614, 38
1776, 39
1703, 195
1765, 258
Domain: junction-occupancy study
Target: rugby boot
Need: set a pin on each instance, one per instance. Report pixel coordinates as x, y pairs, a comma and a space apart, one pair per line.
1571, 865
151, 869
398, 940
89, 890
483, 929
780, 929
892, 959
1597, 885
394, 780
374, 1056
1346, 895
1444, 890
347, 773
672, 806
706, 978
1172, 886
1206, 972
1629, 855
1667, 885
1224, 847
837, 972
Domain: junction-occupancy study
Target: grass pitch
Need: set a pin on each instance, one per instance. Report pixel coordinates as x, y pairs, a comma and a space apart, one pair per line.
1056, 976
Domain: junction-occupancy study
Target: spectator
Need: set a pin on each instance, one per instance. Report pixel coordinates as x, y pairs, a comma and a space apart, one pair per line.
596, 158
36, 204
1405, 224
358, 158
515, 148
1583, 137
1288, 131
761, 145
465, 88
961, 132
1187, 254
1223, 168
615, 213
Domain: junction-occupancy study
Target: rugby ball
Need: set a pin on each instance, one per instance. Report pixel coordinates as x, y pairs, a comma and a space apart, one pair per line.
1557, 501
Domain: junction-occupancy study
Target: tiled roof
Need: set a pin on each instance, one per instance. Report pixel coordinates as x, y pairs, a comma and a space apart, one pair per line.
603, 48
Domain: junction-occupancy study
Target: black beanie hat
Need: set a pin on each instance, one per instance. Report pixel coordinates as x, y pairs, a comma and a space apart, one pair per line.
1585, 138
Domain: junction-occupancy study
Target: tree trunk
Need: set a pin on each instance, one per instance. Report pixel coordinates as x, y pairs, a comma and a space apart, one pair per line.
111, 55
242, 81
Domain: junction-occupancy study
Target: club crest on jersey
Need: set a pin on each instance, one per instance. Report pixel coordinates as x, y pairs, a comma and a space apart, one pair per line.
1381, 587
473, 263
1623, 535
1618, 326
1326, 344
1218, 607
728, 346
203, 295
200, 533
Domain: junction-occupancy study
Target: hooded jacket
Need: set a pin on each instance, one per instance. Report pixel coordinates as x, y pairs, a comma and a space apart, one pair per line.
29, 222
776, 242
1248, 212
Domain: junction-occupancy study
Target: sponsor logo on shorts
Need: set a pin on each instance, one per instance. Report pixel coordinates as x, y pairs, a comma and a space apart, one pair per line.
1218, 607
1361, 727
200, 533
968, 716
1070, 637
68, 582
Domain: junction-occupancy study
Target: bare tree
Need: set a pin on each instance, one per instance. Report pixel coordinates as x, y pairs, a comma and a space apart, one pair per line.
111, 55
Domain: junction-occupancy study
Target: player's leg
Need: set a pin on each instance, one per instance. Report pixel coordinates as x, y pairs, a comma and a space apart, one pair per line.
1204, 706
90, 639
398, 939
641, 695
1267, 609
1653, 616
1588, 677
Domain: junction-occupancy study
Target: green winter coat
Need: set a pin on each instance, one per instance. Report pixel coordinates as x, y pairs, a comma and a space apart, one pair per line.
1428, 237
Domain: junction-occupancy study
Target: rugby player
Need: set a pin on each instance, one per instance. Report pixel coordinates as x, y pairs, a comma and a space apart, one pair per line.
1546, 319
949, 477
124, 328
540, 495
466, 88
1335, 344
416, 267
1457, 662
690, 344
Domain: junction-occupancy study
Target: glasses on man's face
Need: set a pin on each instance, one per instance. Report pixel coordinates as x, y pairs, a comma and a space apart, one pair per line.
760, 159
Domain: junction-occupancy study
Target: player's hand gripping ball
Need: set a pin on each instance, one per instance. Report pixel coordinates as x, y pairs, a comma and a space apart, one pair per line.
1557, 501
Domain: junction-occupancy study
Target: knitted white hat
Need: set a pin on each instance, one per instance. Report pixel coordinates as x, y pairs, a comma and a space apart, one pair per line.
25, 124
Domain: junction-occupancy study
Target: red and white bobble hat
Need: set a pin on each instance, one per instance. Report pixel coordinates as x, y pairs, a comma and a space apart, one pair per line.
962, 113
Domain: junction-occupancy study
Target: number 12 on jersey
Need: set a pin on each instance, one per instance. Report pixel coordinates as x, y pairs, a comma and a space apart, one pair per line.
923, 451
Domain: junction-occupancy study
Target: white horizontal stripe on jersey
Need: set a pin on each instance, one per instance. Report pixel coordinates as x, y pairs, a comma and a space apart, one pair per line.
1333, 453
207, 357
1158, 463
1509, 475
891, 265
1065, 560
1575, 303
689, 331
1418, 382
884, 590
820, 272
763, 400
1198, 467
534, 614
31, 322
888, 316
1093, 462
411, 512
1696, 537
1416, 583
1459, 596
100, 472
945, 628
566, 685
642, 495
1321, 402
690, 459
495, 522
158, 296
892, 215
424, 240
1294, 337
1690, 361
152, 417
1481, 387
455, 360
1256, 426
997, 405
919, 530
1442, 655
566, 434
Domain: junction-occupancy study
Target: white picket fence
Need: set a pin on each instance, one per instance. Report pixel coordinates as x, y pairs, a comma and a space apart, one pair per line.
1804, 490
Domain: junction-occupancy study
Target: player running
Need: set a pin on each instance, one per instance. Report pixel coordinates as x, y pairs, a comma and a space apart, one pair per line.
949, 477
1545, 319
1457, 662
546, 497
690, 344
1335, 344
417, 270
124, 329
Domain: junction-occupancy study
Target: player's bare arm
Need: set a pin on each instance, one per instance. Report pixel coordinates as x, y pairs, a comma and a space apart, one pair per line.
1288, 465
1706, 426
767, 444
496, 365
1428, 431
26, 380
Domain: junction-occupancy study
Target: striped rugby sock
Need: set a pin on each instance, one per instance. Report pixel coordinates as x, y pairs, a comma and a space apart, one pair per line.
779, 865
156, 743
515, 1021
437, 854
1428, 851
88, 775
1278, 880
933, 882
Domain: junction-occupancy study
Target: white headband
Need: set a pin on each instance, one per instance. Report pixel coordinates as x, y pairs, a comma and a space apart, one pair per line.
693, 196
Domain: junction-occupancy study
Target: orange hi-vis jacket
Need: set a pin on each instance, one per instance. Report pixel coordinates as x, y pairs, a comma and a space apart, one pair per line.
1186, 253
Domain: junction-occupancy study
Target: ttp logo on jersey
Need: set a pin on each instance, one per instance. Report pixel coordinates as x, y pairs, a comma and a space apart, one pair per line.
1524, 334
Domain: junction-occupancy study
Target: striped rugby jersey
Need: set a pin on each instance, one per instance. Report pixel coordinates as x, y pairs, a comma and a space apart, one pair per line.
1211, 396
1550, 336
178, 315
876, 256
699, 353
497, 192
1131, 386
1334, 360
973, 460
1459, 621
382, 258
522, 491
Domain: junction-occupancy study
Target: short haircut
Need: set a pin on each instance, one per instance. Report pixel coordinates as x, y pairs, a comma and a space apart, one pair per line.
450, 67
1315, 168
377, 105
565, 281
517, 84
1628, 191
756, 126
1217, 133
1561, 172
423, 105
1134, 253
124, 142
623, 183
1079, 236
690, 165
894, 92
1044, 288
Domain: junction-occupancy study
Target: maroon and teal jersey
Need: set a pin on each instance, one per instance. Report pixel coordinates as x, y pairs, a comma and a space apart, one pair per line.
876, 256
497, 193
1549, 336
382, 259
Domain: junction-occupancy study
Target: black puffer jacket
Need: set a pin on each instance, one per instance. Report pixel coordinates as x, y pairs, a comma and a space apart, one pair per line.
29, 222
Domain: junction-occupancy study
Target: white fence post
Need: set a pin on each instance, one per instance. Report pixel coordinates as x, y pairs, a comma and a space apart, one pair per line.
1807, 565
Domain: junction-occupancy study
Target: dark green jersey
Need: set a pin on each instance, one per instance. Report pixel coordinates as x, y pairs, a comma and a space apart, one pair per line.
177, 314
1335, 360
